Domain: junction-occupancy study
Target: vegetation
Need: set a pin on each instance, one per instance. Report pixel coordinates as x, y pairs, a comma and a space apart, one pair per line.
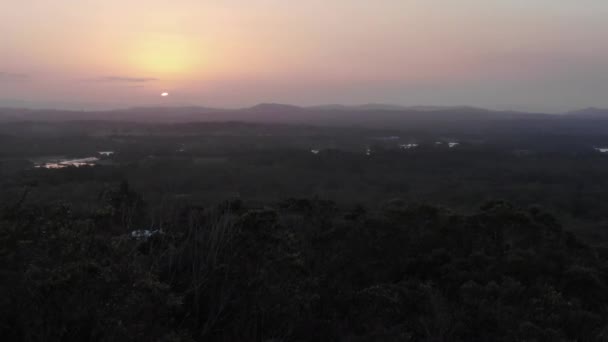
237, 232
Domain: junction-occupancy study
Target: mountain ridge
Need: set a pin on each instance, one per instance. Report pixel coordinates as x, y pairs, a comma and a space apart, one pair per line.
285, 113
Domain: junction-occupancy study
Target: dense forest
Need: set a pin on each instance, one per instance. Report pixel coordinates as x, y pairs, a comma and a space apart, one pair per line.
228, 231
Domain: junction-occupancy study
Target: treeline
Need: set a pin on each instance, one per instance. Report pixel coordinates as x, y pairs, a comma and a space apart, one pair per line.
298, 270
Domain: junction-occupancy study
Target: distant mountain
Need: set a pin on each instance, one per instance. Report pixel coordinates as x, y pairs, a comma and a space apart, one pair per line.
590, 113
390, 107
273, 108
369, 106
268, 112
369, 115
466, 120
177, 109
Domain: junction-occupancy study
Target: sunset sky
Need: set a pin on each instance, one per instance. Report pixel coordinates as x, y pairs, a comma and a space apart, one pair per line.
547, 55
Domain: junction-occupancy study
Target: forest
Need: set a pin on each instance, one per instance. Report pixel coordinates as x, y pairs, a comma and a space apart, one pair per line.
257, 231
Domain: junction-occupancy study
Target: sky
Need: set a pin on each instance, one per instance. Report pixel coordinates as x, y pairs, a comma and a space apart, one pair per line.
541, 55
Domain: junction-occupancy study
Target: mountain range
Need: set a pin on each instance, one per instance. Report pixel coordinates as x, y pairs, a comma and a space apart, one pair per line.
368, 114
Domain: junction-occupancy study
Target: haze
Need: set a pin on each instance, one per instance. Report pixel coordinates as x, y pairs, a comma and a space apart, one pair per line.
508, 54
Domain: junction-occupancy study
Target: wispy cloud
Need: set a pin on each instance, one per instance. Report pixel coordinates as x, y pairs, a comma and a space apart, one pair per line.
12, 77
124, 79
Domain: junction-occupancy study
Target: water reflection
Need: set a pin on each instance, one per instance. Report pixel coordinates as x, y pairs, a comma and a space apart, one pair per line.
61, 164
408, 146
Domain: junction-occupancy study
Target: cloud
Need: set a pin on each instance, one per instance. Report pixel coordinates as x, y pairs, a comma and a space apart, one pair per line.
12, 77
123, 79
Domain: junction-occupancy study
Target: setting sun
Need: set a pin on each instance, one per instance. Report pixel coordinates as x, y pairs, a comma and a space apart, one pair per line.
165, 55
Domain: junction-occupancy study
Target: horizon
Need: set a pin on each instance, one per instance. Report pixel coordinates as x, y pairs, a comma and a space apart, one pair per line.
326, 106
540, 57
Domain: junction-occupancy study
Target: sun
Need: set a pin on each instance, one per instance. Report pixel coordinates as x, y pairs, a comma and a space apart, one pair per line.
165, 94
164, 55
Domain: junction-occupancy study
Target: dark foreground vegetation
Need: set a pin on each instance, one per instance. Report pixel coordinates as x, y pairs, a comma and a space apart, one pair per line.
239, 232
301, 270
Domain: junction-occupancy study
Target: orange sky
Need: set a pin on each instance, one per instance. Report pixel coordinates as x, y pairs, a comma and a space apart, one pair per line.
111, 53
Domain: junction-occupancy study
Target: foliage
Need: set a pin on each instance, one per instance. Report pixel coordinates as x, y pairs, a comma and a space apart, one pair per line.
303, 270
